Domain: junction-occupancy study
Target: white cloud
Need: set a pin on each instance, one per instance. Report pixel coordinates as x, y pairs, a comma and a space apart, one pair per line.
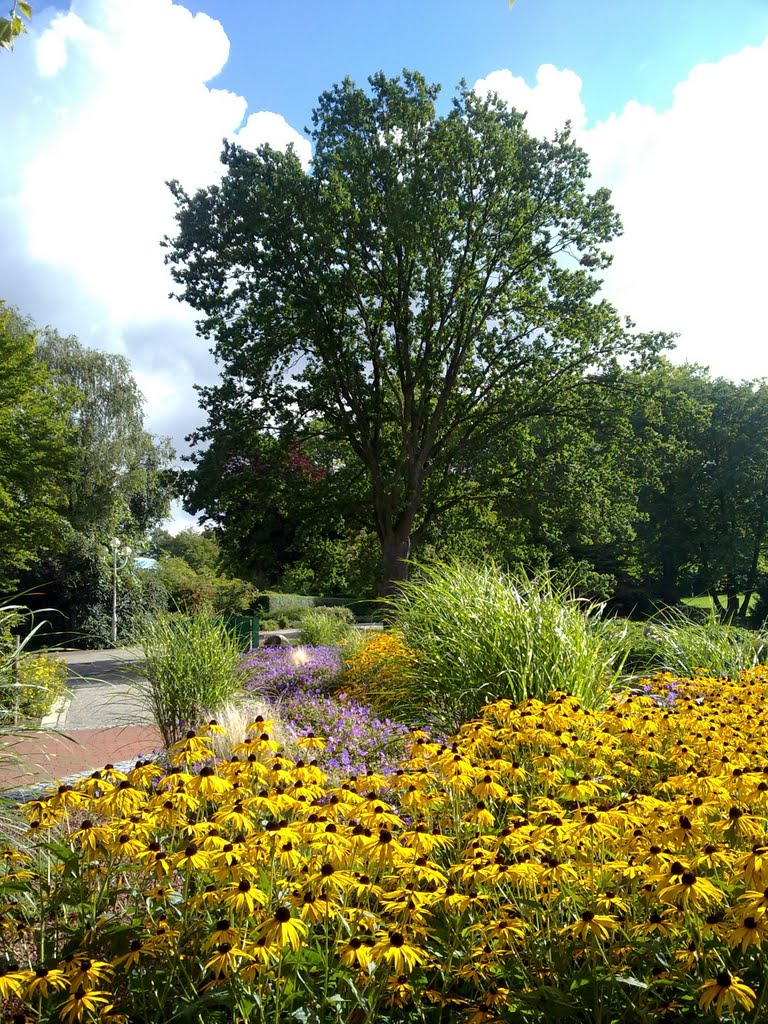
115, 99
555, 99
266, 127
689, 184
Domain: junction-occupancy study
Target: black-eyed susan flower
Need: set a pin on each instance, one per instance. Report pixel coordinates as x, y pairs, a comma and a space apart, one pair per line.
657, 923
133, 955
82, 1001
208, 785
689, 889
385, 851
601, 926
399, 991
354, 952
750, 931
310, 742
66, 797
726, 989
123, 800
192, 858
89, 972
284, 930
11, 981
396, 951
224, 931
224, 959
41, 981
244, 897
752, 867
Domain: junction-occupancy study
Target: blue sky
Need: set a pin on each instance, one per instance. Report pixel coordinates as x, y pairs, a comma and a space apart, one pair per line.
285, 52
113, 97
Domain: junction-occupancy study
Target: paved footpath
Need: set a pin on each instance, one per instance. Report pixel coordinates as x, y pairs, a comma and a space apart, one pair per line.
103, 720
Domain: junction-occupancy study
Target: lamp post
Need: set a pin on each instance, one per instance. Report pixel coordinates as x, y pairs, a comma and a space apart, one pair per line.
120, 555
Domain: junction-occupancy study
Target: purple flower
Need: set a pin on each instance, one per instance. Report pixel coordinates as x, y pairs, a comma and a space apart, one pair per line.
272, 670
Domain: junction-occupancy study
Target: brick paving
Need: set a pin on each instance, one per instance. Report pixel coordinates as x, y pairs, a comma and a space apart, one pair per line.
104, 720
44, 757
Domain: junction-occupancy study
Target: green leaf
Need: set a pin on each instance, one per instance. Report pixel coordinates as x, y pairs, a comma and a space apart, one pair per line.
627, 979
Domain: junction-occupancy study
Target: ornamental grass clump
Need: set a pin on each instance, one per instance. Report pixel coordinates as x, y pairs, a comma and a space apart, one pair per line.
674, 641
549, 862
478, 634
192, 664
324, 627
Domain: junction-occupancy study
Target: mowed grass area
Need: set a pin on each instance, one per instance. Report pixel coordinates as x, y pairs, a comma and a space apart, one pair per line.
705, 601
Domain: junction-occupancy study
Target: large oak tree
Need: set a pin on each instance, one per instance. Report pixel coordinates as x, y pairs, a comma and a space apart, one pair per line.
428, 284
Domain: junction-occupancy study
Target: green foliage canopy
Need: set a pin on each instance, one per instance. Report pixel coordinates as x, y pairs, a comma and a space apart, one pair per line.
35, 449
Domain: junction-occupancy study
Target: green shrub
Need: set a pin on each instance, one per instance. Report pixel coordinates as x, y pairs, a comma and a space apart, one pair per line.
29, 683
192, 667
319, 628
480, 635
283, 602
337, 611
41, 680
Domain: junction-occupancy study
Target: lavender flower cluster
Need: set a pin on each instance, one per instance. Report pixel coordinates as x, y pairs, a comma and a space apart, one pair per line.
357, 740
270, 671
297, 681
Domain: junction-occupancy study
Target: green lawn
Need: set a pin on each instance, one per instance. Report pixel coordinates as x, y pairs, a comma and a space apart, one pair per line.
705, 601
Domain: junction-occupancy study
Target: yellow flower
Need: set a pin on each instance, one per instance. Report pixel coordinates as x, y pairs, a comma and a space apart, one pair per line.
10, 982
384, 850
726, 989
88, 972
136, 950
284, 930
208, 785
223, 932
243, 897
488, 787
42, 981
598, 925
657, 924
480, 815
750, 932
691, 889
193, 857
354, 952
394, 948
310, 742
224, 960
399, 991
191, 749
80, 1002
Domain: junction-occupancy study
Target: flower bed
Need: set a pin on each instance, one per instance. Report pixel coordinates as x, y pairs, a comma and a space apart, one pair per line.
550, 862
